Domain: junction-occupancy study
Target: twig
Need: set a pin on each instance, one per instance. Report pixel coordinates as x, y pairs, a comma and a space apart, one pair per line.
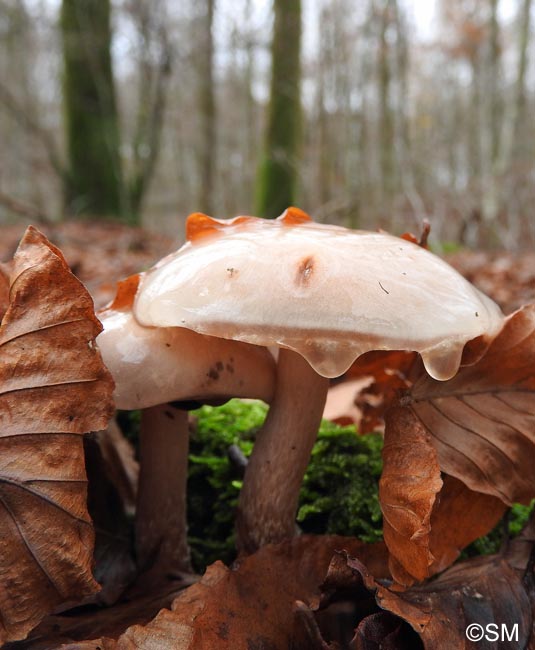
23, 209
16, 110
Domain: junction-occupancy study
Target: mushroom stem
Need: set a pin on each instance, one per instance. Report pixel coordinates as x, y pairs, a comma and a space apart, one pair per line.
269, 496
161, 524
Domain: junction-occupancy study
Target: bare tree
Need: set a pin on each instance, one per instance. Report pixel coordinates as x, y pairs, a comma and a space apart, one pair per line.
207, 109
154, 69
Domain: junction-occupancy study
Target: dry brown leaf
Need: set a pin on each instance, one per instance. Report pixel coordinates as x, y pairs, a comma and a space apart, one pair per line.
250, 606
482, 422
4, 290
427, 519
478, 427
481, 591
53, 388
254, 599
393, 373
407, 491
138, 607
459, 517
96, 644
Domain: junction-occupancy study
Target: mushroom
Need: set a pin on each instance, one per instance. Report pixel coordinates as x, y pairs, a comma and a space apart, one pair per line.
152, 367
323, 295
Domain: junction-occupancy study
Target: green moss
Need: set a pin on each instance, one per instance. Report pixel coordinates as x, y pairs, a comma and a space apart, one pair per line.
340, 489
339, 493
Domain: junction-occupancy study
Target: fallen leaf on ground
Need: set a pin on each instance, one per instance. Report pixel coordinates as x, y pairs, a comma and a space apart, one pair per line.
53, 388
428, 518
87, 627
4, 290
482, 591
482, 422
391, 373
251, 605
479, 429
409, 484
459, 517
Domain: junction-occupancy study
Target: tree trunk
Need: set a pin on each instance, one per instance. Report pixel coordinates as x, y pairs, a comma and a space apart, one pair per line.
386, 121
513, 148
207, 109
94, 185
277, 178
154, 75
513, 119
490, 124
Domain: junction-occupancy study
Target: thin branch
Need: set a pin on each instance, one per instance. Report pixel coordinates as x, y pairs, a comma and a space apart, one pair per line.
20, 115
23, 209
150, 119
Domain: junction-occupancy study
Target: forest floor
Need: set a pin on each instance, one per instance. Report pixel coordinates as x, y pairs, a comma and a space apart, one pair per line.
102, 253
283, 578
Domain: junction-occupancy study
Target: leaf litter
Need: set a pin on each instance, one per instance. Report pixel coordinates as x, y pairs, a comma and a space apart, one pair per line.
447, 480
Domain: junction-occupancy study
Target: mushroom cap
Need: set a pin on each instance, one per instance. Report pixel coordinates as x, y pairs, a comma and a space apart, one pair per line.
155, 365
326, 292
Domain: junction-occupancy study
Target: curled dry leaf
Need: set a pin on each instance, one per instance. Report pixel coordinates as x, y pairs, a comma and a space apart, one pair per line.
4, 290
253, 605
428, 518
391, 373
53, 388
459, 516
482, 591
479, 428
407, 491
482, 422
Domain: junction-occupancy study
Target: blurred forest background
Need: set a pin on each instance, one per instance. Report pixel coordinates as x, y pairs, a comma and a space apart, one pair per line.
365, 113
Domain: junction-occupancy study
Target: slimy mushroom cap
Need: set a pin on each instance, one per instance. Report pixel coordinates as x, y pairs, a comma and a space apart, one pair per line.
155, 365
326, 292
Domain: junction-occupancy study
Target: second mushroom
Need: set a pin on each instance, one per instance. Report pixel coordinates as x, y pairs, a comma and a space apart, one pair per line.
163, 371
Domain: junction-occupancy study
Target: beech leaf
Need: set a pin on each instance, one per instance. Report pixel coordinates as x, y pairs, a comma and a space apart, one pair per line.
483, 591
391, 371
408, 487
4, 290
459, 517
482, 422
53, 388
259, 603
251, 606
428, 518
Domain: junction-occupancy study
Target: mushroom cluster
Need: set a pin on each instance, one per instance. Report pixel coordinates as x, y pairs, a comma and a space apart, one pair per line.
318, 296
